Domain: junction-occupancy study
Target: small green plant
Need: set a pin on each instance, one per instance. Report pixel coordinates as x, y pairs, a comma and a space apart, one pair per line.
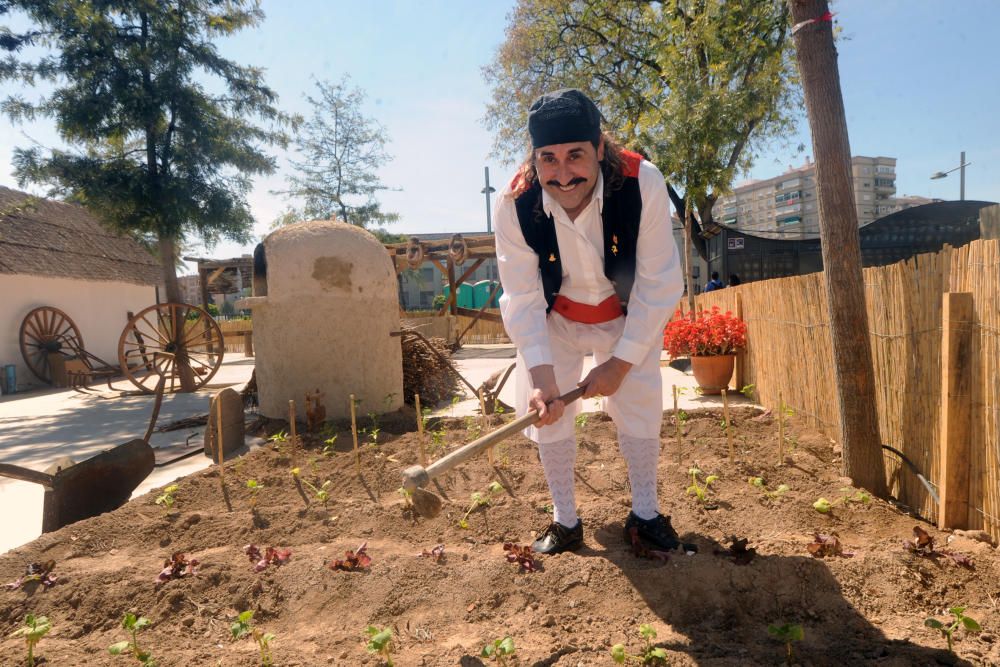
682, 417
437, 440
473, 427
788, 633
498, 408
651, 655
961, 621
34, 628
499, 650
700, 492
255, 488
328, 445
278, 439
758, 483
581, 420
166, 499
480, 500
748, 390
824, 506
133, 625
454, 402
374, 429
380, 642
243, 626
321, 494
407, 496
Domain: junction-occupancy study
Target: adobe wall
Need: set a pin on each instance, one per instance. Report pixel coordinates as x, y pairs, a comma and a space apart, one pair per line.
331, 304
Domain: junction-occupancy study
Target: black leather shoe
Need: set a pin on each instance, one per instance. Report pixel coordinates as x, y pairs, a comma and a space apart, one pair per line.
558, 538
656, 531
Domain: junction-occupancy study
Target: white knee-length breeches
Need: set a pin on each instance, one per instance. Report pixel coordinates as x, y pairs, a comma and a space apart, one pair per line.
637, 406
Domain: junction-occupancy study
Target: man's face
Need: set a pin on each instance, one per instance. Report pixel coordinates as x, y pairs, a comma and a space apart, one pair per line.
568, 172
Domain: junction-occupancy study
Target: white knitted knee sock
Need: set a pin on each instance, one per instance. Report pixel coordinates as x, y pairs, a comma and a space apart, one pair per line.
559, 462
642, 455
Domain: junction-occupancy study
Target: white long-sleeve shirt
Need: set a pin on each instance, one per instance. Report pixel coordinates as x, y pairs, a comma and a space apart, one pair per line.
658, 277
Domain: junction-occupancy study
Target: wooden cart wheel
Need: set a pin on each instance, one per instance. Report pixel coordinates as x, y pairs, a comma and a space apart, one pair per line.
46, 330
157, 340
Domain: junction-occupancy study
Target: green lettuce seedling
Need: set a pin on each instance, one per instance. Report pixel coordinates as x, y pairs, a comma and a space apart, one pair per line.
255, 488
277, 440
328, 445
133, 625
321, 493
824, 506
380, 642
167, 497
480, 500
701, 492
243, 626
758, 483
499, 650
35, 627
788, 633
651, 655
961, 620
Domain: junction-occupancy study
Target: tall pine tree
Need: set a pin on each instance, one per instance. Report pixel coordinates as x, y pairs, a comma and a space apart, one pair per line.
161, 133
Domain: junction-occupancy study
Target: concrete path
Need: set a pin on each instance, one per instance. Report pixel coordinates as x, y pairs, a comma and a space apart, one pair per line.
39, 427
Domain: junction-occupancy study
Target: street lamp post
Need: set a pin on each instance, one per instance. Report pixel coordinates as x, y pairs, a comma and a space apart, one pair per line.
488, 191
962, 164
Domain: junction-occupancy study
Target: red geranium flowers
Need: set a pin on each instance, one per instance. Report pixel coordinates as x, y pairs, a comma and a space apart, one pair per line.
710, 333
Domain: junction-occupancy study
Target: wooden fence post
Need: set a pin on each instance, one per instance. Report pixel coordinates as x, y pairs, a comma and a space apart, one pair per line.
956, 408
738, 376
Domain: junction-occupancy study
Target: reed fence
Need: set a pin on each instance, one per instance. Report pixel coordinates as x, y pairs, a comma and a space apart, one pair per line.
789, 353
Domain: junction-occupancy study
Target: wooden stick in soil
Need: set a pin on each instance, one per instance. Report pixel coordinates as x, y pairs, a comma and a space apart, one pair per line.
729, 433
291, 424
354, 434
420, 431
677, 422
781, 429
218, 450
482, 413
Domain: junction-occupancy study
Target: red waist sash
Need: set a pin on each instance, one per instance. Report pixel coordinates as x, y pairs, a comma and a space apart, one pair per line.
605, 311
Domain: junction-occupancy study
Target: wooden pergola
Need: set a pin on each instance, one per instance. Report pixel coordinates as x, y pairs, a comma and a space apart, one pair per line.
222, 276
450, 256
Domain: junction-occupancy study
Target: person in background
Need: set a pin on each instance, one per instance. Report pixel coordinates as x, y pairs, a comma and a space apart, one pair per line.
714, 283
734, 280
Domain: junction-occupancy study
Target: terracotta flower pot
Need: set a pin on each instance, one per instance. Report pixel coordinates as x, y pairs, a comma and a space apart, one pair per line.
713, 373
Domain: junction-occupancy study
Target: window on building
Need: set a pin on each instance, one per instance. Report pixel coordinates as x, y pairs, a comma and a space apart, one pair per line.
866, 170
885, 182
885, 169
867, 197
426, 298
866, 184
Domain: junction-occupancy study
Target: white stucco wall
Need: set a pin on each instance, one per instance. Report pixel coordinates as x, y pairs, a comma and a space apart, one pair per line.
331, 304
98, 308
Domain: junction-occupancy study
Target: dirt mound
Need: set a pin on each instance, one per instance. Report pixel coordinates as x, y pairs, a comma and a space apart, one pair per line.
713, 608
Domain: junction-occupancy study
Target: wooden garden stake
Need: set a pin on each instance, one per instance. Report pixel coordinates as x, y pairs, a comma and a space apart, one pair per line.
781, 429
291, 422
729, 433
677, 422
354, 433
420, 432
482, 412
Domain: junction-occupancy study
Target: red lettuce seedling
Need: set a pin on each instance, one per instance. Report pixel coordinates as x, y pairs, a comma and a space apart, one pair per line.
922, 544
521, 555
437, 553
827, 545
176, 567
353, 560
41, 572
641, 550
272, 556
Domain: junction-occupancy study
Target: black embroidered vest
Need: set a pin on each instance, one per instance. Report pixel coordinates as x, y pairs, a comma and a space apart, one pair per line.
620, 219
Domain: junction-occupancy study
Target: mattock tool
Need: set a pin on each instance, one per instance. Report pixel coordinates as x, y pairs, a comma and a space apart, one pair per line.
416, 477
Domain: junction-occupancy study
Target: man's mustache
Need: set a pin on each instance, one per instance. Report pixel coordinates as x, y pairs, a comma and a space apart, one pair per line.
574, 181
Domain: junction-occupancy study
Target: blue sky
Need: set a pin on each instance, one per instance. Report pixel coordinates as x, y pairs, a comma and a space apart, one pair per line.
920, 80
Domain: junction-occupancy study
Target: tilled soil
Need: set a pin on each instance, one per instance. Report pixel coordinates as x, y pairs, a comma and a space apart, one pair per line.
707, 609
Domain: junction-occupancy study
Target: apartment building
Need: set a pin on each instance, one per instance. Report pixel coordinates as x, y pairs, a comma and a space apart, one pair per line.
787, 204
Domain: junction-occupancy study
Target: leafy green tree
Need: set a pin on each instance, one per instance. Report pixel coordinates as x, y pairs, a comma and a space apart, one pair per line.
162, 134
341, 152
699, 86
